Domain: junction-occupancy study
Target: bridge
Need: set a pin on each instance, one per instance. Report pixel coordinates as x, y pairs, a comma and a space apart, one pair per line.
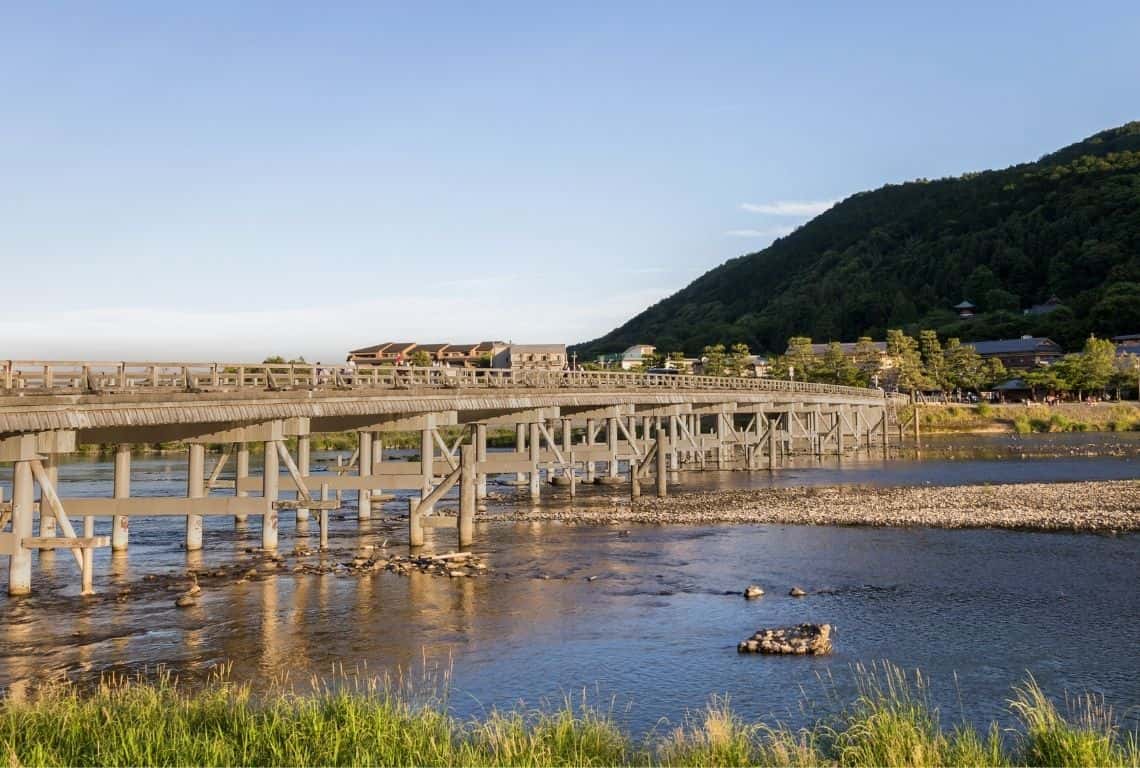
570, 427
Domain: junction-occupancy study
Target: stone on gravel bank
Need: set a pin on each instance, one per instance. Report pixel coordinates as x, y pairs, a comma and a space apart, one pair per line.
800, 640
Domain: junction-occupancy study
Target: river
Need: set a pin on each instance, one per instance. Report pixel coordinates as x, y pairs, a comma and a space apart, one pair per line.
653, 634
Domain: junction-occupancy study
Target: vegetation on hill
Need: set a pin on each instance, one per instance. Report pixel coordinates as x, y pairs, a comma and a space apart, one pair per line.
901, 256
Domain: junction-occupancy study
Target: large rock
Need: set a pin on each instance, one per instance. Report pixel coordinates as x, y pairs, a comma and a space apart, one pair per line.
800, 640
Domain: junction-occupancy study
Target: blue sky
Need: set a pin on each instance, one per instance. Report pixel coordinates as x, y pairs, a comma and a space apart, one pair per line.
231, 180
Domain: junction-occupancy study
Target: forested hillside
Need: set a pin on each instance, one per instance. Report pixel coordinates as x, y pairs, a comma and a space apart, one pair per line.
901, 256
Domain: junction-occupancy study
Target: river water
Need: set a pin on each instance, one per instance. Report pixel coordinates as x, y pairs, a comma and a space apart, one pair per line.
653, 634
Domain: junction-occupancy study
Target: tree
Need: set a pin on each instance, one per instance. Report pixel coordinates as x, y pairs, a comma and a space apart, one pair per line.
798, 362
740, 361
714, 360
836, 367
1097, 364
907, 372
963, 366
933, 362
421, 359
994, 373
868, 360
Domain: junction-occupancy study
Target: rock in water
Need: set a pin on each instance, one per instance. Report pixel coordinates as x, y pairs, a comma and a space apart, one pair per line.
800, 640
797, 592
185, 601
752, 591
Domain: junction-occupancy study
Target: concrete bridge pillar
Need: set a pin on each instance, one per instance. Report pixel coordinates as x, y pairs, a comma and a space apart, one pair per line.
674, 440
23, 500
364, 469
303, 451
591, 426
773, 425
467, 493
535, 457
195, 489
721, 441
270, 484
47, 519
241, 472
480, 457
662, 463
611, 446
567, 445
427, 468
520, 449
120, 524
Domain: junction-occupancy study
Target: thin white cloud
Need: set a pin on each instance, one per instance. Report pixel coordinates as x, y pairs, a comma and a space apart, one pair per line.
770, 232
801, 208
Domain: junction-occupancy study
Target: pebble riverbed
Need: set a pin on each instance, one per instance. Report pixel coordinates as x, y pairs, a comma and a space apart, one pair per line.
1081, 506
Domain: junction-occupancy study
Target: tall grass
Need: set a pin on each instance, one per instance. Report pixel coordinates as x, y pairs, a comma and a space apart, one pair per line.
891, 723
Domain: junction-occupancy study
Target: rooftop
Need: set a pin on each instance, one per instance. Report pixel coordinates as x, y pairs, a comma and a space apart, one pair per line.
1011, 346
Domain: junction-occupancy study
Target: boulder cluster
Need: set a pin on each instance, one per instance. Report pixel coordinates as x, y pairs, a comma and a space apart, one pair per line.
800, 640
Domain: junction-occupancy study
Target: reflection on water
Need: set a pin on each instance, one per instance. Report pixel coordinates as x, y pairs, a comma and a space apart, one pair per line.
652, 618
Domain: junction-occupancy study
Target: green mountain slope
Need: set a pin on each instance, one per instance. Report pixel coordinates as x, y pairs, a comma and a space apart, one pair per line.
1067, 225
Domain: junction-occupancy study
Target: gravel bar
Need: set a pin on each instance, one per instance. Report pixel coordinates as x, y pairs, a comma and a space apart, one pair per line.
1083, 506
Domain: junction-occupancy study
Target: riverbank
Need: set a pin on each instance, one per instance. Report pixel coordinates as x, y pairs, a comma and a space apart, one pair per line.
1084, 506
892, 722
1025, 419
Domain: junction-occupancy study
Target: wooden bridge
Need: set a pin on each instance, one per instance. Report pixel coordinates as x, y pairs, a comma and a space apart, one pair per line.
570, 426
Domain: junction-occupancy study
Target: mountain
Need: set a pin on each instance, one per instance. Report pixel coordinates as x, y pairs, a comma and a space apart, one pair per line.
901, 256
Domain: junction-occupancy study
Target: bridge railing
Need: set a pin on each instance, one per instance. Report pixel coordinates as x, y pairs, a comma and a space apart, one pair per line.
41, 377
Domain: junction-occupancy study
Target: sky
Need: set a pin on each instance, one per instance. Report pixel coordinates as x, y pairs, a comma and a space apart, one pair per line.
227, 181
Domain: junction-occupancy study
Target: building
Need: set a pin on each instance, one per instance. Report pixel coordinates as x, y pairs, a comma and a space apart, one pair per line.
637, 356
965, 310
388, 352
401, 352
1026, 352
543, 357
848, 347
1127, 344
1051, 305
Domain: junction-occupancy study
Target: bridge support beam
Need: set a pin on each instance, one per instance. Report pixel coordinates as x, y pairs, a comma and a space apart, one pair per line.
467, 494
591, 430
535, 456
120, 524
304, 447
520, 449
427, 472
611, 446
270, 483
23, 498
47, 519
195, 489
364, 469
241, 471
480, 457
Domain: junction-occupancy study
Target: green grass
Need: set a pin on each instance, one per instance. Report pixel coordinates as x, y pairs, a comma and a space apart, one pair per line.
891, 723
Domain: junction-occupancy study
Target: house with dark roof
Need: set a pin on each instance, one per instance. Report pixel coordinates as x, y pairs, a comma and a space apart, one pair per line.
392, 352
1051, 305
848, 347
1026, 352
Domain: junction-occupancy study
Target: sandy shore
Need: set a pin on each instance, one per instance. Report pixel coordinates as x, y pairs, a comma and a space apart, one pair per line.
1085, 506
